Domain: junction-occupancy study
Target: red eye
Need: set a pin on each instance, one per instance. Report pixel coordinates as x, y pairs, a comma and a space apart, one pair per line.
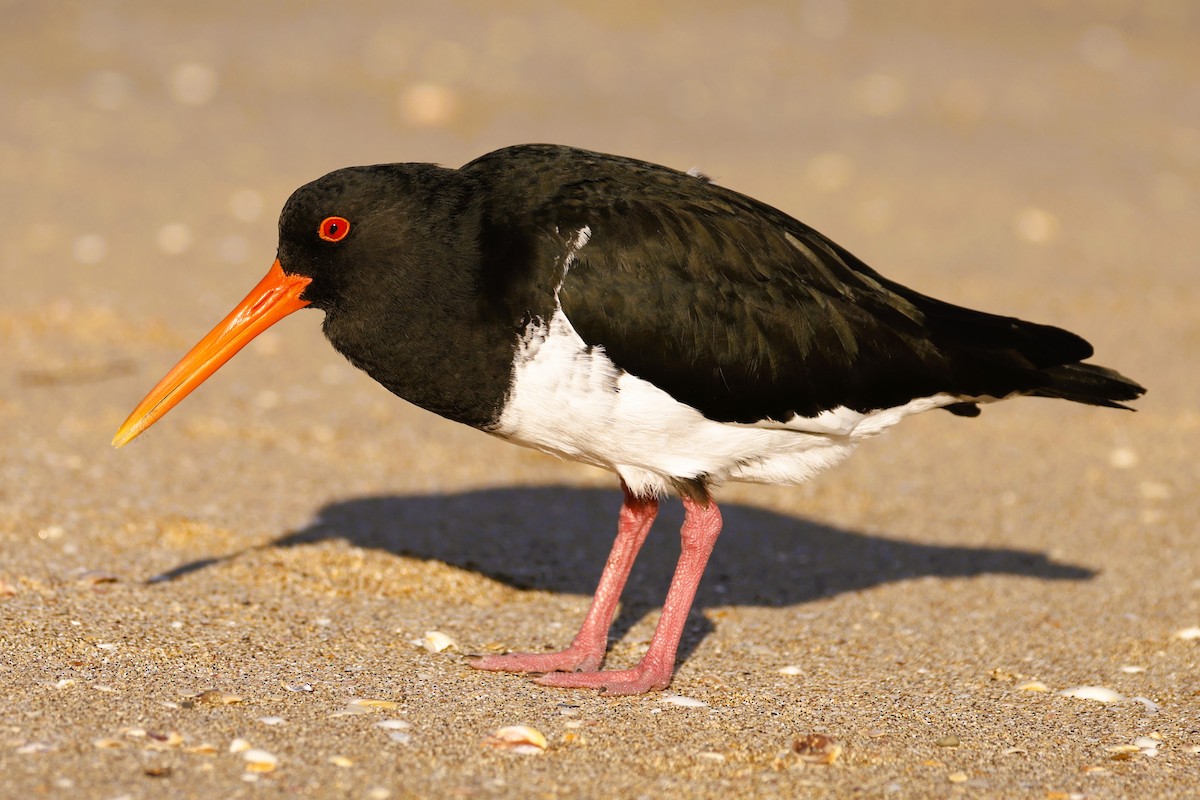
334, 229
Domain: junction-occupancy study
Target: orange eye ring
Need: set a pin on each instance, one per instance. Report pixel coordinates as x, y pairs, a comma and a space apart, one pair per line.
334, 229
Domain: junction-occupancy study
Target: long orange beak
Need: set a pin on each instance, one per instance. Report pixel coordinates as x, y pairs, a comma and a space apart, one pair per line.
276, 296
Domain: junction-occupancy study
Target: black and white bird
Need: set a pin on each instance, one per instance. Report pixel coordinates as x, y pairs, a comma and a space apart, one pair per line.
634, 317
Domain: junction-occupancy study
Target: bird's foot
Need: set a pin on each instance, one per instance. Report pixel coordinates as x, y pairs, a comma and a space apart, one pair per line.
569, 660
639, 680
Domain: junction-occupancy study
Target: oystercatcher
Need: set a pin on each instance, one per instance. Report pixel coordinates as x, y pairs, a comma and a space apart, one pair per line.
634, 317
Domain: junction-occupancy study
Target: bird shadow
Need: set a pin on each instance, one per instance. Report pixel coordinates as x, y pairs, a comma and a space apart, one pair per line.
556, 539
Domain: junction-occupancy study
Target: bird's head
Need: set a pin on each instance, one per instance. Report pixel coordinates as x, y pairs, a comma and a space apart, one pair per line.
351, 235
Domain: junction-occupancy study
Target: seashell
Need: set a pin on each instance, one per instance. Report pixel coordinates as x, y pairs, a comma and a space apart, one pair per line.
520, 739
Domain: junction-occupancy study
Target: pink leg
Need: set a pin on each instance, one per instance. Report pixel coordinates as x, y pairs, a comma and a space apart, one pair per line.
587, 650
701, 526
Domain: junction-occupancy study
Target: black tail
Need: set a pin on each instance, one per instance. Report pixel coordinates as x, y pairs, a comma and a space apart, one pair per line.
1089, 383
998, 356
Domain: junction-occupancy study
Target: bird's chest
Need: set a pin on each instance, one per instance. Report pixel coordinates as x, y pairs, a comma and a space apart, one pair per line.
460, 372
564, 397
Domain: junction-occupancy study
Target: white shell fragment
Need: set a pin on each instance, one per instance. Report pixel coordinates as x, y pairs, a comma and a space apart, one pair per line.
1101, 694
340, 761
435, 642
1188, 634
790, 669
212, 697
270, 720
363, 702
163, 741
350, 711
520, 739
1141, 746
686, 702
260, 760
394, 724
1147, 744
239, 745
1150, 706
1032, 686
817, 748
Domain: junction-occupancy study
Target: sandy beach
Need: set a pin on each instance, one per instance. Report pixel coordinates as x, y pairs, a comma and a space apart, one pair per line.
242, 602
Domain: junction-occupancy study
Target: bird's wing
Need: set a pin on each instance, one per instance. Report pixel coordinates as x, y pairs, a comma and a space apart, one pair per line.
746, 314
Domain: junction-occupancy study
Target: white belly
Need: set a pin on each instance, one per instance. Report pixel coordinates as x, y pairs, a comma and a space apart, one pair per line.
572, 401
